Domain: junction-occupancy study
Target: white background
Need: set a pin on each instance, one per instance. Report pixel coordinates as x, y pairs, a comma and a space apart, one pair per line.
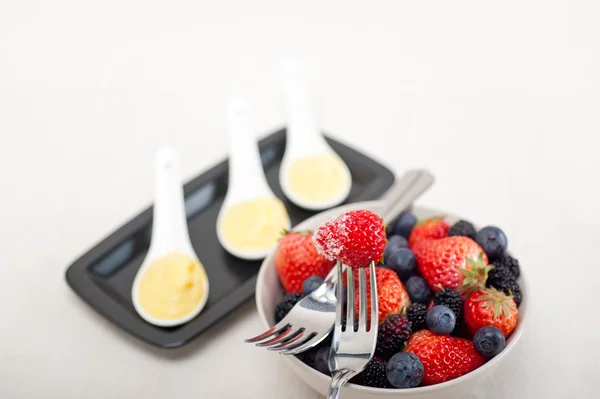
500, 100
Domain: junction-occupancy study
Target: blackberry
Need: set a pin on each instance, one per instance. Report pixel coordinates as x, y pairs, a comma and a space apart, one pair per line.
510, 287
288, 302
373, 375
392, 335
416, 314
450, 298
462, 228
499, 276
515, 290
509, 262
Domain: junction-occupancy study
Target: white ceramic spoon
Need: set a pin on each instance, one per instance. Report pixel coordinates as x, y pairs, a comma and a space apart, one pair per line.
305, 139
169, 231
247, 179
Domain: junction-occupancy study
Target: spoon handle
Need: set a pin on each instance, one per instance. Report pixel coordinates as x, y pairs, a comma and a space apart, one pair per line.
246, 175
303, 131
169, 223
410, 186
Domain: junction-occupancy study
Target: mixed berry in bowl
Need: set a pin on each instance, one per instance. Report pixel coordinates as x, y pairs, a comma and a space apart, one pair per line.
448, 295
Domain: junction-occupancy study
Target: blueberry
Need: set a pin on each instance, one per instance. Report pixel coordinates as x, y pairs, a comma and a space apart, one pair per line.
403, 262
492, 240
441, 320
311, 284
404, 370
404, 224
489, 341
322, 360
417, 289
394, 242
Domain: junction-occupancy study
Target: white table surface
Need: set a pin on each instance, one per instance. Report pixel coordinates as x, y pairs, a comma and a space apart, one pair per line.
499, 100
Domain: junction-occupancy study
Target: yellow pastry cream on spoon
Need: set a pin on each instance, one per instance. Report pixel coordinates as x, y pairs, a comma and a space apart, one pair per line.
254, 225
172, 286
317, 177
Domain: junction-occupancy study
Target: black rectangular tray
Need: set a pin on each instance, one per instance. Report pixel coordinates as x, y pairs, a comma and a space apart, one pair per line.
103, 276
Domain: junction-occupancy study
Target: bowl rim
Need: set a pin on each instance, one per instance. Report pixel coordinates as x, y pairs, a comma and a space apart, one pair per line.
514, 338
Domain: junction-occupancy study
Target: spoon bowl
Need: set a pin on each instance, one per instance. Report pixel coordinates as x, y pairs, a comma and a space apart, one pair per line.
169, 233
307, 149
247, 181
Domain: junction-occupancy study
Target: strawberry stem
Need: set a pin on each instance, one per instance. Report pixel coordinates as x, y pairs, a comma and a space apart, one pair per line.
502, 303
440, 287
475, 276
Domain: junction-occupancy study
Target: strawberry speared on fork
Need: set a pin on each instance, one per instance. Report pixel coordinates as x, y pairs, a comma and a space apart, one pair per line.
355, 238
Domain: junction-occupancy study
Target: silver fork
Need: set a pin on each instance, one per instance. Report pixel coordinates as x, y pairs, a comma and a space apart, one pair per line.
314, 314
311, 320
351, 350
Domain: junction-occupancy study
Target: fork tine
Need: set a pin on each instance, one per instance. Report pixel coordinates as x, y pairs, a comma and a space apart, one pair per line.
290, 339
277, 339
275, 330
350, 300
374, 301
301, 343
340, 292
362, 292
299, 347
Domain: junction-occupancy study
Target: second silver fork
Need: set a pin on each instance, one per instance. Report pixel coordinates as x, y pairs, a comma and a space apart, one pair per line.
352, 349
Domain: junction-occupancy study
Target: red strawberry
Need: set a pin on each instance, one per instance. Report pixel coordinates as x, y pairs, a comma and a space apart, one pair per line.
444, 357
440, 261
432, 228
296, 259
355, 238
391, 294
490, 307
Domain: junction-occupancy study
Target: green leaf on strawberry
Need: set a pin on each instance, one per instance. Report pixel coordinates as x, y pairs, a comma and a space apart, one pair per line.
476, 277
503, 305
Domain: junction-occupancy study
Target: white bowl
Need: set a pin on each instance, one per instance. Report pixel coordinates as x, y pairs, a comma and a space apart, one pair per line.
269, 293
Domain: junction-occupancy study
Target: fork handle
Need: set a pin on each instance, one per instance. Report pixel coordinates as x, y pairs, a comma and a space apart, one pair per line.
338, 379
408, 188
